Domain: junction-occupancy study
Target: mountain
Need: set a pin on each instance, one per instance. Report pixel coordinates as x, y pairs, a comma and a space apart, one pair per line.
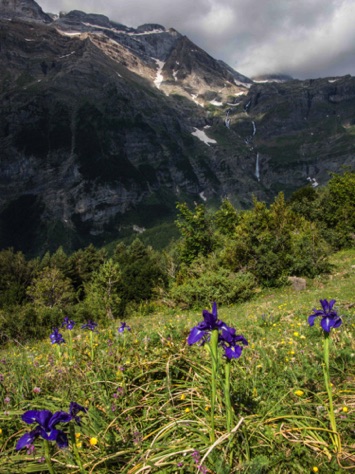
103, 128
27, 9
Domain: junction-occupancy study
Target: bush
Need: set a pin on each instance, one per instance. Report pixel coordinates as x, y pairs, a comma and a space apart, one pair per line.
222, 285
275, 243
26, 322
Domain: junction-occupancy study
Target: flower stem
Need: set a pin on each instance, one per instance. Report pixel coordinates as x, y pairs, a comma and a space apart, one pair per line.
70, 346
47, 455
227, 398
328, 387
75, 449
92, 345
59, 352
214, 358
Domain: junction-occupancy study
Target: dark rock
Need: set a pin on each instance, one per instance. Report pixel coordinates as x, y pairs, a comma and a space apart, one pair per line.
96, 125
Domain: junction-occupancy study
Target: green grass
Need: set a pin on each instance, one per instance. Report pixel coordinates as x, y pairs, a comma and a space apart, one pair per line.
148, 392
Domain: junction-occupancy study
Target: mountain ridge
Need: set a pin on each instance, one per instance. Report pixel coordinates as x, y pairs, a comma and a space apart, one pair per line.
105, 127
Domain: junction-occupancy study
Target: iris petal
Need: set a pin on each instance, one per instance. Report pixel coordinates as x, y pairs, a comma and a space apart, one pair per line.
214, 310
208, 318
25, 440
59, 417
311, 319
61, 439
233, 352
195, 335
40, 416
326, 324
49, 435
337, 322
30, 416
75, 408
241, 339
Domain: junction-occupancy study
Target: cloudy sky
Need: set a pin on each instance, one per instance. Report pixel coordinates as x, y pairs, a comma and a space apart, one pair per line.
303, 38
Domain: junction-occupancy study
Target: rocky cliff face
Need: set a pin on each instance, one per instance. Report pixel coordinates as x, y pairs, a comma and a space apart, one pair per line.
27, 9
104, 126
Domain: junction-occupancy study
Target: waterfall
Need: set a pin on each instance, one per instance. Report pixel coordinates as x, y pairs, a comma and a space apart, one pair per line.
227, 120
257, 169
246, 107
254, 128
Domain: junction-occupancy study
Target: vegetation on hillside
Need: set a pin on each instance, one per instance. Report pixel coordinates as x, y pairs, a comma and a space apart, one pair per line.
225, 255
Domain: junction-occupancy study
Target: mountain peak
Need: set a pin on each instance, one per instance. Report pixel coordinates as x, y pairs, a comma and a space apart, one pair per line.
23, 8
150, 27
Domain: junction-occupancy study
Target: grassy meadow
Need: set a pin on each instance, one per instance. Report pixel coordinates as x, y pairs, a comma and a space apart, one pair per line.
148, 393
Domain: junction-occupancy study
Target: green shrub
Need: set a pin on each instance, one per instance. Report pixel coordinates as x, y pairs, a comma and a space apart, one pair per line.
221, 285
23, 323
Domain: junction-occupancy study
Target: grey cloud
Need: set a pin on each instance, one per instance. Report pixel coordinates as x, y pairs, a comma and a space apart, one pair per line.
304, 38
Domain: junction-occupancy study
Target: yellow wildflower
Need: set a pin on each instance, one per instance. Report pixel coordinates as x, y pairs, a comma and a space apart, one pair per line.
315, 469
77, 435
187, 410
345, 409
299, 393
93, 441
183, 396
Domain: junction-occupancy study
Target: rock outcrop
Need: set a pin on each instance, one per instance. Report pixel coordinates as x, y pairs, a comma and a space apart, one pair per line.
103, 126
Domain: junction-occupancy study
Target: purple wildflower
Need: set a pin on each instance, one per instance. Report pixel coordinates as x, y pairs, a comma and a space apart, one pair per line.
196, 456
46, 423
203, 329
56, 337
230, 341
74, 409
90, 325
31, 449
124, 327
330, 318
68, 323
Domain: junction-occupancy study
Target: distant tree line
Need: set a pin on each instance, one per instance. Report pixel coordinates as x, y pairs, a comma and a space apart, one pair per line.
223, 255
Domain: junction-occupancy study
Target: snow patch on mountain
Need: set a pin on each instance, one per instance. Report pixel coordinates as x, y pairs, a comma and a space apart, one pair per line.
159, 77
194, 98
243, 84
216, 103
202, 196
201, 135
153, 32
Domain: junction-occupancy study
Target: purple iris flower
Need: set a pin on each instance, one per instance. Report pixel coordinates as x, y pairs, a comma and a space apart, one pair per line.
209, 323
230, 341
74, 409
330, 318
56, 337
124, 327
90, 325
46, 427
68, 323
